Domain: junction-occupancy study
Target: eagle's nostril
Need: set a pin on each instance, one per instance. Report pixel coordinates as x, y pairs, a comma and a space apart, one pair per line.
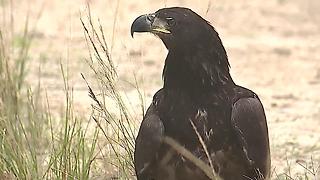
151, 17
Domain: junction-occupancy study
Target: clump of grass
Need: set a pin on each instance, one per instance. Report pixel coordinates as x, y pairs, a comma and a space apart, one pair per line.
33, 143
111, 110
73, 148
18, 110
308, 170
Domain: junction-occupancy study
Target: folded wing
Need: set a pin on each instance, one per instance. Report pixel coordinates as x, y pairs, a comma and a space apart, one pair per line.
148, 142
249, 123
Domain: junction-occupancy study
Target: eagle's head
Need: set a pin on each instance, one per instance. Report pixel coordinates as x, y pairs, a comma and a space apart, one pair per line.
196, 58
175, 26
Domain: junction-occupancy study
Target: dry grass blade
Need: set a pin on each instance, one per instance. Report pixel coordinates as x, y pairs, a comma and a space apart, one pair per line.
208, 7
187, 154
204, 147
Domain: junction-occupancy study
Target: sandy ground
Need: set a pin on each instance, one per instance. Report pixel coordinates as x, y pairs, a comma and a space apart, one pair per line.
273, 47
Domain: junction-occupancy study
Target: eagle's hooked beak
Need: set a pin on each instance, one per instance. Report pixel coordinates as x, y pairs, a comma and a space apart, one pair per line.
149, 23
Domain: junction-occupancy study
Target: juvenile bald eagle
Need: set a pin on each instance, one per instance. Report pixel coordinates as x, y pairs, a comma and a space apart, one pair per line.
198, 88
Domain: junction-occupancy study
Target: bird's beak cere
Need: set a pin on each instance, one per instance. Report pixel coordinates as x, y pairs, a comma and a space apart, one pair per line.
149, 23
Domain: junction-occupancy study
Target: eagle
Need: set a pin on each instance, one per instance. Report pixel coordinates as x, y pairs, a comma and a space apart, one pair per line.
199, 107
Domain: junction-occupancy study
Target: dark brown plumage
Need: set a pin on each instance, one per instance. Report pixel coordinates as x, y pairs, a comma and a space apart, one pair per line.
198, 88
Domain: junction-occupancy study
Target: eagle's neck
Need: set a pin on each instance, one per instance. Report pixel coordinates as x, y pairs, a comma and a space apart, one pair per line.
196, 71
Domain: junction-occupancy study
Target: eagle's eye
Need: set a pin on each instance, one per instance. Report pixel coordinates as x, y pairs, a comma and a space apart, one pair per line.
171, 22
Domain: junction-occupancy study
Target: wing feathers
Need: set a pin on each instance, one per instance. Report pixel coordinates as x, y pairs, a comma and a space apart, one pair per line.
148, 141
249, 123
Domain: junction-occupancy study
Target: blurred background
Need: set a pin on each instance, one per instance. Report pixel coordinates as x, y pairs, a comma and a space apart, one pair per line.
273, 48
